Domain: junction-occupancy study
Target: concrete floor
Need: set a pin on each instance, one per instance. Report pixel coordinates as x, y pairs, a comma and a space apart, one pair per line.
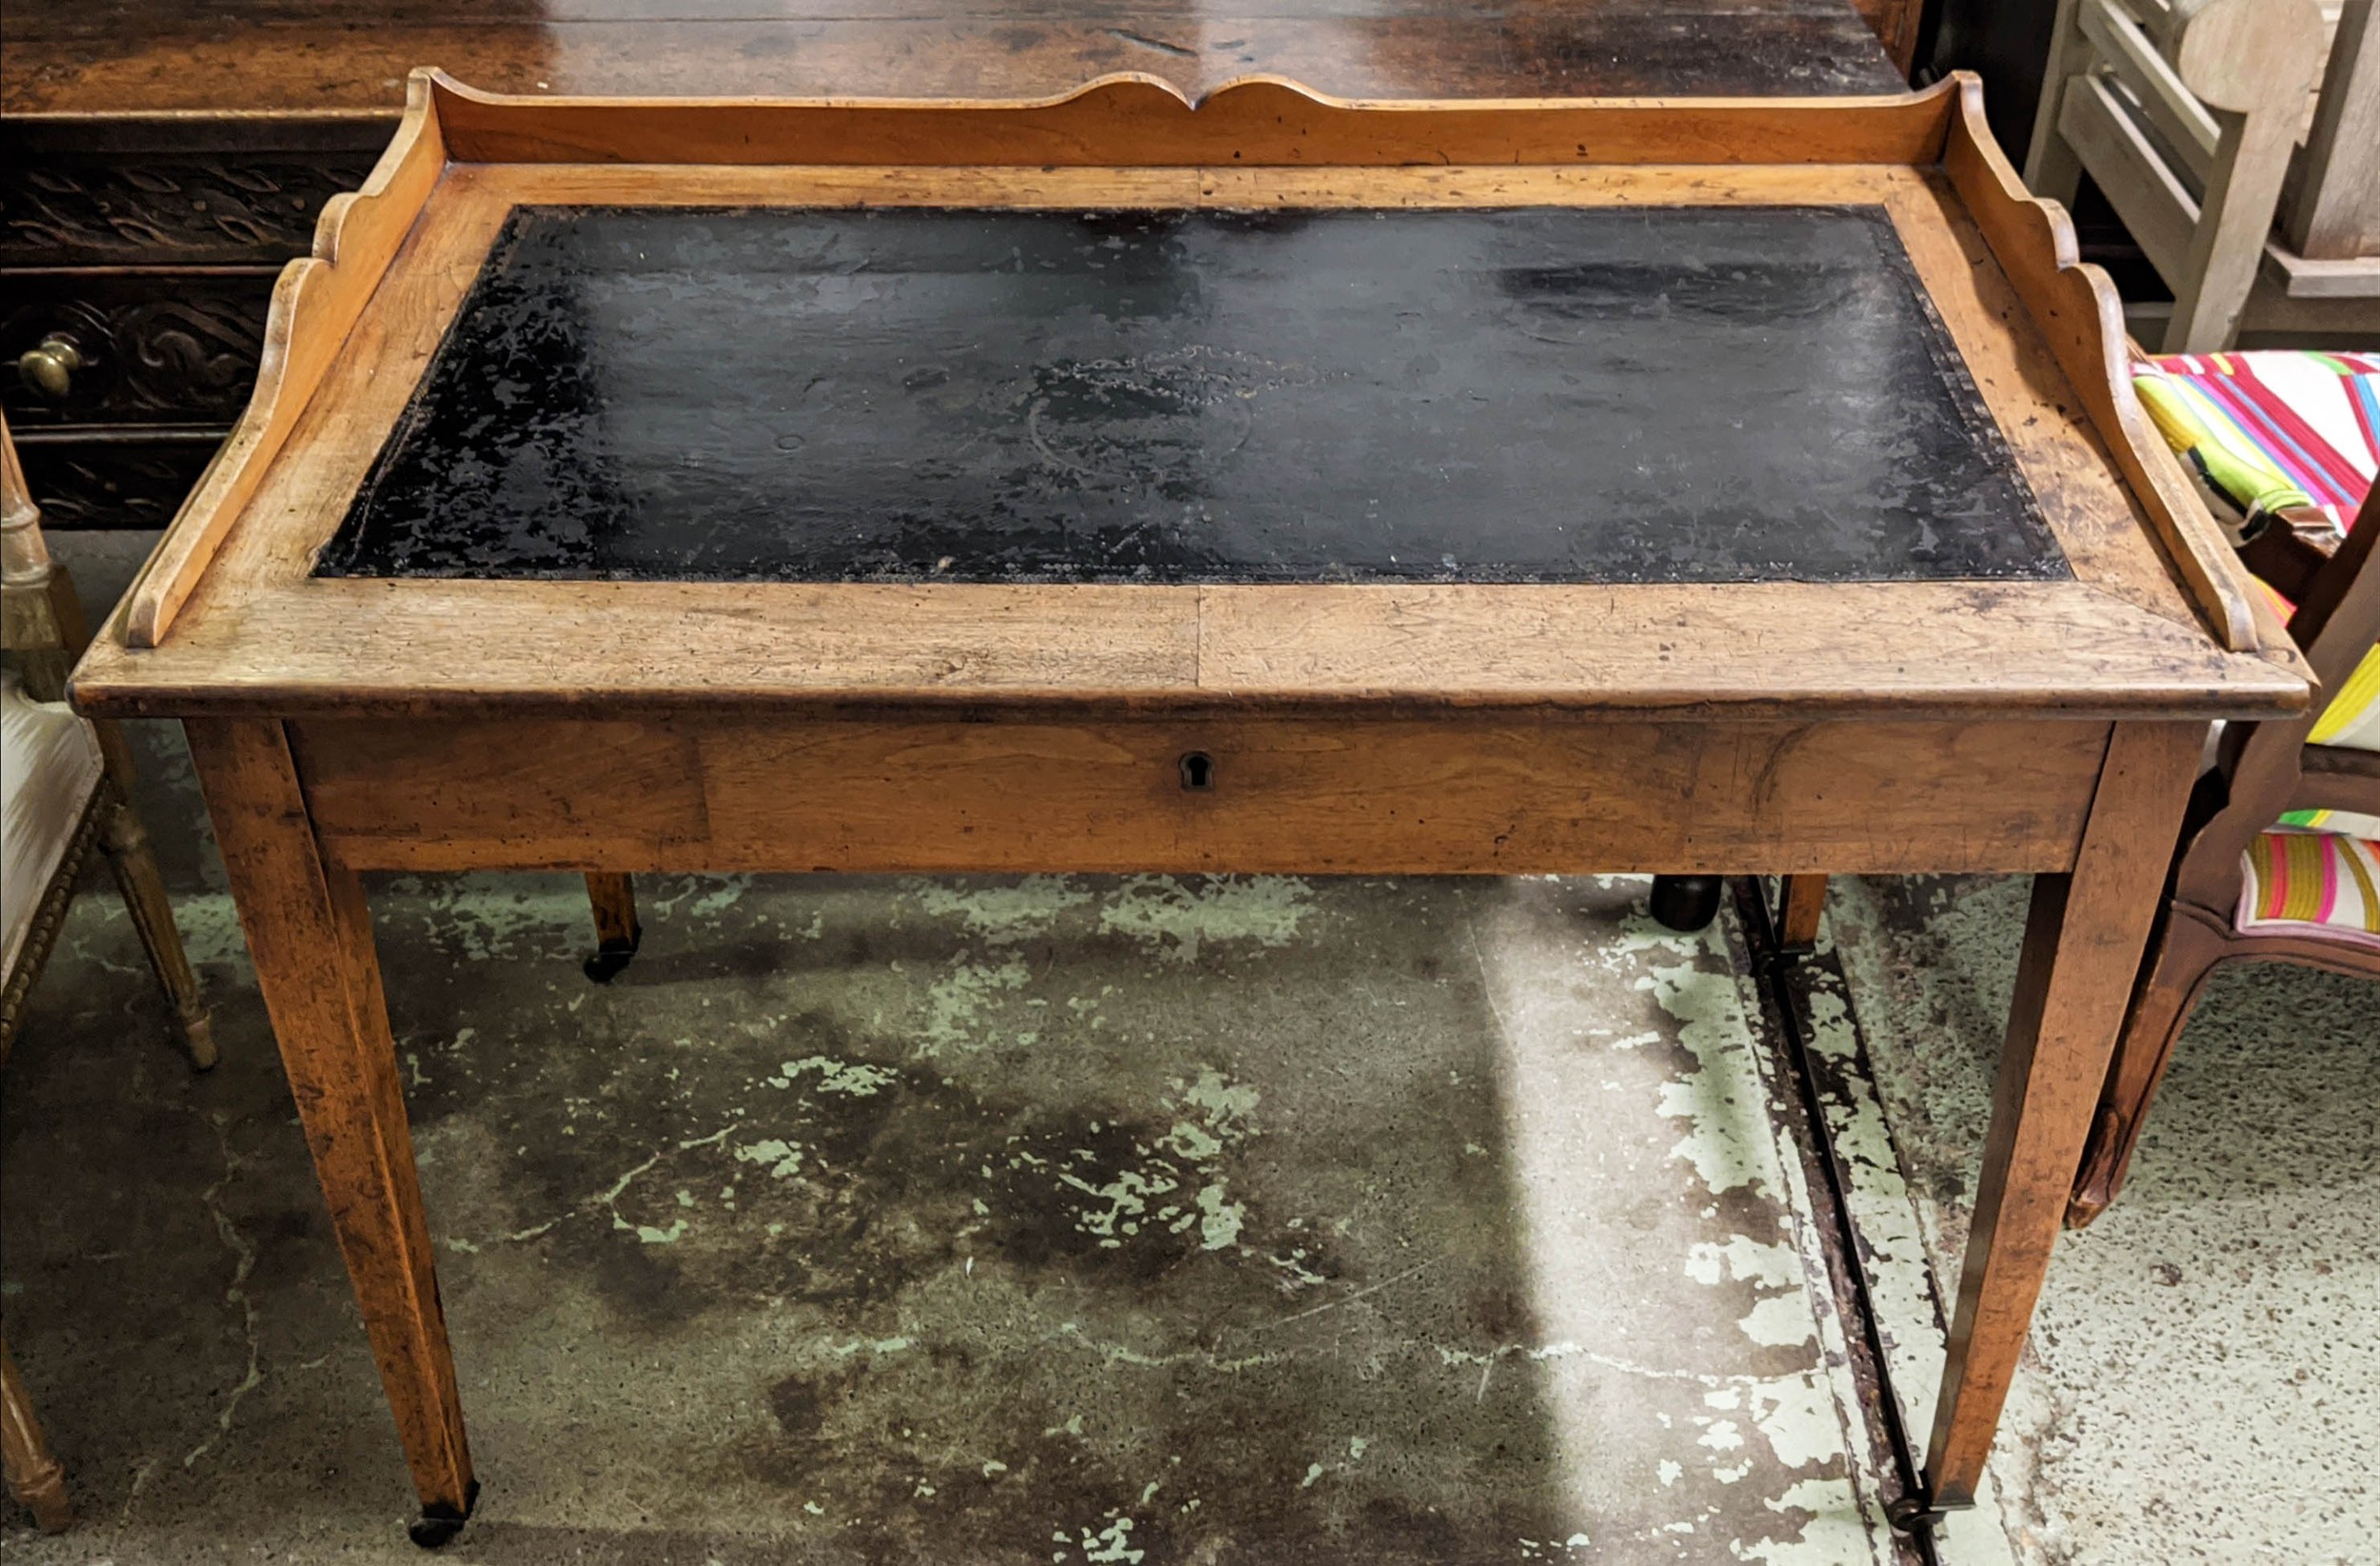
1155, 1220
1006, 1221
2204, 1382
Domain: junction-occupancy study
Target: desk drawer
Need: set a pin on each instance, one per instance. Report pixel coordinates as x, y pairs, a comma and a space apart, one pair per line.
150, 246
147, 348
175, 191
133, 479
1493, 794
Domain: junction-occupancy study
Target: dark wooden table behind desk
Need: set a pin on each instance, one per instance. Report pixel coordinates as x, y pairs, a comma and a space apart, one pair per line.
160, 160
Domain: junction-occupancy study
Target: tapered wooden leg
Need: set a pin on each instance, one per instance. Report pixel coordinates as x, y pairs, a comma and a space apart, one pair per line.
310, 937
617, 933
1800, 898
2183, 958
126, 842
34, 1476
2082, 952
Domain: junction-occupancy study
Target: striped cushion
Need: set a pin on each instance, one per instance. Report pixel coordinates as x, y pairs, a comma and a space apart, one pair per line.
2268, 430
2310, 420
2234, 474
2343, 821
2352, 719
2309, 884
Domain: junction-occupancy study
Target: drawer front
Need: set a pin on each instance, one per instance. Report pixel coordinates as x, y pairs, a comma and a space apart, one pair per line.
115, 483
191, 192
1463, 794
147, 348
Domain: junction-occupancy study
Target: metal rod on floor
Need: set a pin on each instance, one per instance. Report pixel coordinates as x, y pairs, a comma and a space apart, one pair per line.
1774, 969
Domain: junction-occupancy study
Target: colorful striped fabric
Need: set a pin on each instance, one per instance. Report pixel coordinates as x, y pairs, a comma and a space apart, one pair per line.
2340, 822
2235, 472
2352, 719
2311, 883
2268, 431
2272, 429
2311, 418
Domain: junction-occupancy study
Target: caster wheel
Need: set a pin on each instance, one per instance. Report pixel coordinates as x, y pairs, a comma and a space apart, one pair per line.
1685, 903
430, 1533
1913, 1513
438, 1523
608, 960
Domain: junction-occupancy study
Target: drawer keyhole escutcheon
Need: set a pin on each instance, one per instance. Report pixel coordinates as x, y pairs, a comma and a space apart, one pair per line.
1197, 771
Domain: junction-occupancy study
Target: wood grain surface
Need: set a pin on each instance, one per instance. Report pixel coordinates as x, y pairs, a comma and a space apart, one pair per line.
1467, 795
310, 937
2083, 946
1140, 120
2082, 318
261, 637
311, 56
315, 304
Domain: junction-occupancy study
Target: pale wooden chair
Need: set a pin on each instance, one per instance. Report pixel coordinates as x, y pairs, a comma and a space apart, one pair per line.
2264, 771
68, 785
43, 634
2201, 123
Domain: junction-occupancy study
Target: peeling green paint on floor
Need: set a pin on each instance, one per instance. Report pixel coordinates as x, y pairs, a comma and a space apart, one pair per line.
1122, 1218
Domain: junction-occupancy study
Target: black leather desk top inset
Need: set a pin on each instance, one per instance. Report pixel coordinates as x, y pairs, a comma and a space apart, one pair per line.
1672, 394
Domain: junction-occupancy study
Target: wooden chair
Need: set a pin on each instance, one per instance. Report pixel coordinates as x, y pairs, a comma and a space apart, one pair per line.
2264, 770
2190, 115
68, 785
43, 634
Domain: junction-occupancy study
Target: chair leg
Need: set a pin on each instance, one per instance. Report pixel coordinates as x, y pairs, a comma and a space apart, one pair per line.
2183, 953
2051, 167
126, 842
34, 1476
617, 933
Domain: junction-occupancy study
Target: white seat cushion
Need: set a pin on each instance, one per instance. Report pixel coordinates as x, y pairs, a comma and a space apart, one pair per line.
48, 766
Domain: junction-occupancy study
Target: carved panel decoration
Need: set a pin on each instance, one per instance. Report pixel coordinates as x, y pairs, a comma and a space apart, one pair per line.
114, 484
203, 193
177, 214
179, 349
137, 259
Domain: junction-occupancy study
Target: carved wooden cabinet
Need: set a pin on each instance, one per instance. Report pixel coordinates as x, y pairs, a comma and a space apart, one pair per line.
137, 257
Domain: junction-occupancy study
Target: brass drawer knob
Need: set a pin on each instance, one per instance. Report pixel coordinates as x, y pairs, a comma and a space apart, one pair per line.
47, 368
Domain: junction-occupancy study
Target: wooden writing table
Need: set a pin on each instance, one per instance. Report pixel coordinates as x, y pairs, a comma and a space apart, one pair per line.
1274, 484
